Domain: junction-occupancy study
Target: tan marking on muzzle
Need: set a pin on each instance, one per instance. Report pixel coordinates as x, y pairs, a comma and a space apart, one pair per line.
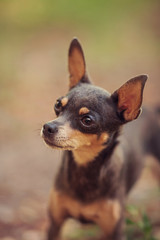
85, 147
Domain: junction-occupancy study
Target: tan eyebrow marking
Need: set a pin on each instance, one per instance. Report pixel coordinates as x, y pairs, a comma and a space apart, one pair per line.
64, 101
83, 110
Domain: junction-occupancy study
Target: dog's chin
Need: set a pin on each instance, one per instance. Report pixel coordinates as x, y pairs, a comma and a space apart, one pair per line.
55, 146
50, 144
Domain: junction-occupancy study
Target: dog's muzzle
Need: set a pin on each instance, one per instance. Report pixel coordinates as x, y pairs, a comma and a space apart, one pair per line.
49, 129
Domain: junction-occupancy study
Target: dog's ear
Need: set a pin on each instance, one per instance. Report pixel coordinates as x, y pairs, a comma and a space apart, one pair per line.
76, 64
129, 98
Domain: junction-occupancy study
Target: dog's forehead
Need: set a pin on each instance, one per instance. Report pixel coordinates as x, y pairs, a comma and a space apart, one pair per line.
87, 94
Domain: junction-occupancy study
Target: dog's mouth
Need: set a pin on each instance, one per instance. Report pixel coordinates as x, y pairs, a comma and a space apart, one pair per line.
53, 145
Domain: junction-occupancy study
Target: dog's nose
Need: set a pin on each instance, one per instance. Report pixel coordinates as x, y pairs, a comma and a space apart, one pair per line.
49, 129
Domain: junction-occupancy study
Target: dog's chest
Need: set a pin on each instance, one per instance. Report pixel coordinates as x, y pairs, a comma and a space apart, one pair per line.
104, 212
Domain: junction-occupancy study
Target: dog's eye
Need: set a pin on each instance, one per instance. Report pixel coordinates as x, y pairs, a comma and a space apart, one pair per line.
87, 121
58, 106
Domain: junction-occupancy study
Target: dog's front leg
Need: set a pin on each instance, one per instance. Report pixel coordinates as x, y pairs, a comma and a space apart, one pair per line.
57, 214
110, 220
54, 228
118, 231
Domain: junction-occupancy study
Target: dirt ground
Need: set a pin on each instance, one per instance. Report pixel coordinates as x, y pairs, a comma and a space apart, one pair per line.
27, 166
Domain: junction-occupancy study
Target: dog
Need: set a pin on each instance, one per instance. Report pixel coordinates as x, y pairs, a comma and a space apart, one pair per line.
103, 149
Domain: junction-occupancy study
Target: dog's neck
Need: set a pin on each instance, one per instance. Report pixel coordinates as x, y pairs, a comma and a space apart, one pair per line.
82, 181
88, 154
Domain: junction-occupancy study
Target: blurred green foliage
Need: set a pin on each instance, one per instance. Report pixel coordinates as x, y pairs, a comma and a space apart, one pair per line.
83, 232
139, 225
93, 14
107, 23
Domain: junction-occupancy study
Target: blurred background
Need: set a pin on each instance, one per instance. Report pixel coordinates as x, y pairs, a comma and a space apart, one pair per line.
121, 39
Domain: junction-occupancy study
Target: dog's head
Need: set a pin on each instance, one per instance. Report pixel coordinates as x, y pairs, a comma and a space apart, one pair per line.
88, 116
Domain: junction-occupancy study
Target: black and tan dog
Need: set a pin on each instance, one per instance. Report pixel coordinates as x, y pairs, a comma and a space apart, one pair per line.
99, 165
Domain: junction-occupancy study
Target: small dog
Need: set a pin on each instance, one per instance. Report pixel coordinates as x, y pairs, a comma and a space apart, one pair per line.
99, 165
